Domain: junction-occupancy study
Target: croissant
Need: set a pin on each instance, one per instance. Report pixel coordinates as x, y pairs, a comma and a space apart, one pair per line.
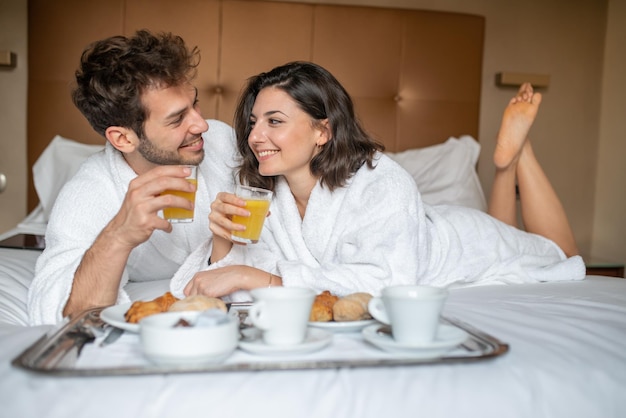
322, 310
352, 307
140, 309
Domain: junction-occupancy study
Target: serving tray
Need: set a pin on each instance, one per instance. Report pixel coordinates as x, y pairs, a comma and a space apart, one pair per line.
58, 353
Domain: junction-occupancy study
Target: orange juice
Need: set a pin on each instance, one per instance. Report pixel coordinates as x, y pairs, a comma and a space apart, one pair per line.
180, 214
254, 223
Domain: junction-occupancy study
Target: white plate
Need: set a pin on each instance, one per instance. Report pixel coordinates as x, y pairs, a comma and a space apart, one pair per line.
114, 315
316, 339
448, 337
345, 326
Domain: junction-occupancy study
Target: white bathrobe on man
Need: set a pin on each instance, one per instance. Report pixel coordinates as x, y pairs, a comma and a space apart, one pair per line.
376, 232
92, 198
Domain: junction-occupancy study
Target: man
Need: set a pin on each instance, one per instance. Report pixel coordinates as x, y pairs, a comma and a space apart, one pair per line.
105, 229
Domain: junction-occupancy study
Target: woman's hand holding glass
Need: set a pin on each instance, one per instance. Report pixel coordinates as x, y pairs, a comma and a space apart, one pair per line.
223, 208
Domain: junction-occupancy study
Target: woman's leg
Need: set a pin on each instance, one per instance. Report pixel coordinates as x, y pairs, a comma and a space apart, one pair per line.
515, 161
518, 117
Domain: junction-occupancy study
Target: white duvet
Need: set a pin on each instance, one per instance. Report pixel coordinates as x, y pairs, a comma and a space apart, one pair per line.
377, 232
566, 359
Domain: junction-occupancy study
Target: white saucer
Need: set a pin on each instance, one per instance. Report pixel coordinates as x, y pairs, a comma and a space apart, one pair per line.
448, 337
345, 326
252, 342
114, 315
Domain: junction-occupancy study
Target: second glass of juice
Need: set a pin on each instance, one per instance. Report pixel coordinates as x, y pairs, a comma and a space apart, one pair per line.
258, 204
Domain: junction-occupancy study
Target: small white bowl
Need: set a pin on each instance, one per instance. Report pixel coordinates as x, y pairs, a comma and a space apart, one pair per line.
165, 344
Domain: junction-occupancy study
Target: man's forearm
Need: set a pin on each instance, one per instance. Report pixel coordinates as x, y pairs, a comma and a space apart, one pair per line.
97, 278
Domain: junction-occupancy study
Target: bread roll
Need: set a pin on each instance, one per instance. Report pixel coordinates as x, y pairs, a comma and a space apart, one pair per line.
198, 303
352, 307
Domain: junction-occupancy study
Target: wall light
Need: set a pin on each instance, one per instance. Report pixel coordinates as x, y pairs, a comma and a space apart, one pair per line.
7, 59
511, 79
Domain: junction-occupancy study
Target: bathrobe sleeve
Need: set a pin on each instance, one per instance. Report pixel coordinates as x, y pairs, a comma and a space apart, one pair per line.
84, 206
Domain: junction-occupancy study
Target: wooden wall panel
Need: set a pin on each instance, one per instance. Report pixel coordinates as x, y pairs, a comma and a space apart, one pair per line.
257, 37
198, 22
414, 75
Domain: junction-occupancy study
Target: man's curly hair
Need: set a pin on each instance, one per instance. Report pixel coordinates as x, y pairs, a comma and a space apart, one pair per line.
115, 72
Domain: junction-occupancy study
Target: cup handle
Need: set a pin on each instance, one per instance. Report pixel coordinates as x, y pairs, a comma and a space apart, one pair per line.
376, 308
256, 315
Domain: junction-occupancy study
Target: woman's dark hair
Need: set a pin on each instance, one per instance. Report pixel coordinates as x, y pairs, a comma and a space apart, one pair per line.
318, 93
114, 73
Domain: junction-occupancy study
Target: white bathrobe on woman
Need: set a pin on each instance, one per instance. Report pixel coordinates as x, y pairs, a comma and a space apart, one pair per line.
93, 197
376, 232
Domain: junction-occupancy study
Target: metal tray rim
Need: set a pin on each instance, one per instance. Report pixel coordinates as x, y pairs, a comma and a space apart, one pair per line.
48, 353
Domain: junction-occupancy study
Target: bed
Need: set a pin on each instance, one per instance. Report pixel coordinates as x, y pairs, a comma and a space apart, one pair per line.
565, 341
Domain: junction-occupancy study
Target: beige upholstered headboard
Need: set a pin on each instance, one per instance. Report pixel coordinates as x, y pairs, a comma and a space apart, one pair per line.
414, 75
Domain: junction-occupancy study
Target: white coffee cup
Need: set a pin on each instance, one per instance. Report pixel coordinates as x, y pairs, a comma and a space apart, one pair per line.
281, 313
413, 312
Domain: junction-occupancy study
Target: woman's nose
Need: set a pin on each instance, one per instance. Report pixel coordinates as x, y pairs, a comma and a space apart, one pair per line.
256, 135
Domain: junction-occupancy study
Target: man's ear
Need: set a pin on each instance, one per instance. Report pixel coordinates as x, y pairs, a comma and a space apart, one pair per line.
123, 139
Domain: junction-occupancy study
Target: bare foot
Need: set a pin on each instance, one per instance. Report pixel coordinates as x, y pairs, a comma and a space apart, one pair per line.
518, 117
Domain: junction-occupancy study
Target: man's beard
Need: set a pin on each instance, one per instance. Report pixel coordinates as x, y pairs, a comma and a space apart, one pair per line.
157, 156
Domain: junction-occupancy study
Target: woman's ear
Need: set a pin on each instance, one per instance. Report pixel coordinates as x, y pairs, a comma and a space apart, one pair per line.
123, 139
325, 133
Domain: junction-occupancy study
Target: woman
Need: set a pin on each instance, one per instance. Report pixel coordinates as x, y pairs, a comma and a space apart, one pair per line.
345, 218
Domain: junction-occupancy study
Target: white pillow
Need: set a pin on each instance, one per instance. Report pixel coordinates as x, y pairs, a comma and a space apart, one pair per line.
446, 173
55, 166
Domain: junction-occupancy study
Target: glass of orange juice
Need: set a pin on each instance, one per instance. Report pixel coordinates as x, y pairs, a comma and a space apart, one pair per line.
180, 215
258, 203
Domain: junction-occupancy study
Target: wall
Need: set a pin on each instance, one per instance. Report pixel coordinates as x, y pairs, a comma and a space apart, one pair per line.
578, 146
565, 39
609, 232
13, 37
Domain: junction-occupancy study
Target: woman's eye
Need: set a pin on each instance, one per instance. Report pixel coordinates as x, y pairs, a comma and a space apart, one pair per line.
274, 121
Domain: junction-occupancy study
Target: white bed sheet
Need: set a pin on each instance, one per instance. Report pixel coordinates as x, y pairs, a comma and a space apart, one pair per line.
17, 268
567, 359
16, 272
